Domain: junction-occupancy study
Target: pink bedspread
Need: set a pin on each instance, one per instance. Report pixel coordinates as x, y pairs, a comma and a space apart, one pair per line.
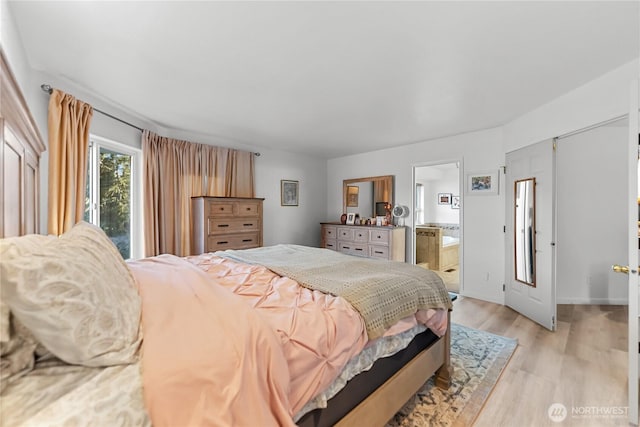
219, 334
319, 333
208, 358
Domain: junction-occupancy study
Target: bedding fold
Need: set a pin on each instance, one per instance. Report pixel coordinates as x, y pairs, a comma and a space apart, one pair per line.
383, 292
318, 333
207, 357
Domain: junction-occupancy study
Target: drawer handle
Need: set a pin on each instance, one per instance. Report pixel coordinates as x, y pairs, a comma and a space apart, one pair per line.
346, 247
379, 237
247, 240
223, 225
221, 208
248, 209
378, 252
223, 243
248, 225
359, 249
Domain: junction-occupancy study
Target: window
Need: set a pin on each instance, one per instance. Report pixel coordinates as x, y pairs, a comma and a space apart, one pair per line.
419, 204
113, 194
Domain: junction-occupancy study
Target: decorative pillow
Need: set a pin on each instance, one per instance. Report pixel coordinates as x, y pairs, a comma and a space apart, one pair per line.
17, 355
10, 248
18, 347
76, 295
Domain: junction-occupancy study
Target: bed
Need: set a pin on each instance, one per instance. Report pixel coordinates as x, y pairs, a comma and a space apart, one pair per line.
89, 339
83, 326
436, 248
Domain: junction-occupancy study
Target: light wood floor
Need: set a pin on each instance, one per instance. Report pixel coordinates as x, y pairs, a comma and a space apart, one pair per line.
582, 365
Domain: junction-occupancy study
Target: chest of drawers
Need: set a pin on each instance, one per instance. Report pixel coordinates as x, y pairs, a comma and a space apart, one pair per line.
366, 241
219, 223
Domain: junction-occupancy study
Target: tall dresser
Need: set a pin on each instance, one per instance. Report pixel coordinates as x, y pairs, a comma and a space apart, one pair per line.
364, 240
220, 223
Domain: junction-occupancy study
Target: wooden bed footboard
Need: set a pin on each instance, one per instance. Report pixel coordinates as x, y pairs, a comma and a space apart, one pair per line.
445, 371
389, 398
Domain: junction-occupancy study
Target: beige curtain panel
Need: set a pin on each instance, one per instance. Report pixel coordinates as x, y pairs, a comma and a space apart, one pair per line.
174, 171
69, 121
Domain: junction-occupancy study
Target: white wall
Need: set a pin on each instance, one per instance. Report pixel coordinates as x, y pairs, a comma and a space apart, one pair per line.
591, 220
482, 217
601, 99
13, 50
292, 224
435, 212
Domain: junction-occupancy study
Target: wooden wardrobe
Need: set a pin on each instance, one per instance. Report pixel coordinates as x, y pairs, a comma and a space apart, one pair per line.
20, 152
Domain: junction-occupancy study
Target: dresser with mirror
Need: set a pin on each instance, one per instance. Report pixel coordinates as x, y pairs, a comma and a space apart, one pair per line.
369, 197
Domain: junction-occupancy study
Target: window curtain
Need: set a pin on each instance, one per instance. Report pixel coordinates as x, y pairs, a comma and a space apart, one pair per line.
382, 190
68, 126
174, 171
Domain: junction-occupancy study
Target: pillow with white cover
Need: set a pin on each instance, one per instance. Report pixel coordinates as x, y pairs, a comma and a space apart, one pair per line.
75, 294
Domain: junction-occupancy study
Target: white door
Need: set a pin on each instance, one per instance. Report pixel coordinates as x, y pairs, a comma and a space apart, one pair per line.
537, 302
632, 265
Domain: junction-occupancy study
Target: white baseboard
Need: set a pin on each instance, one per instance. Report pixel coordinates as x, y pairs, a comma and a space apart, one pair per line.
483, 297
593, 301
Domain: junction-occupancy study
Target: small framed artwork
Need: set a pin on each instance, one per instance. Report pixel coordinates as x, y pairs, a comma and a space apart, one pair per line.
455, 202
351, 218
352, 196
289, 192
444, 198
483, 183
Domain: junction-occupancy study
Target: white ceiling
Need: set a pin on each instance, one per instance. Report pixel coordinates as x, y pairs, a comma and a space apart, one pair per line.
328, 78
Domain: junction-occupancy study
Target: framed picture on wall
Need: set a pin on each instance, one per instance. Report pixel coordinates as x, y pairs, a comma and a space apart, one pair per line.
455, 202
483, 183
352, 196
288, 192
444, 198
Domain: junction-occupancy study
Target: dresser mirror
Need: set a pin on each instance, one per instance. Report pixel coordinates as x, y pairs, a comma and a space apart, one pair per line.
525, 231
362, 195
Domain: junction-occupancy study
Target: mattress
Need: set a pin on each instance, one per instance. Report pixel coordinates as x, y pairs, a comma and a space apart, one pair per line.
363, 384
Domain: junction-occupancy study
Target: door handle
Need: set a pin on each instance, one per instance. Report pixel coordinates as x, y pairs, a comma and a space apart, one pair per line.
623, 269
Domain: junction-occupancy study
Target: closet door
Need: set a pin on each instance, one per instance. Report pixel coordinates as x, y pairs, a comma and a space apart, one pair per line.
536, 299
12, 183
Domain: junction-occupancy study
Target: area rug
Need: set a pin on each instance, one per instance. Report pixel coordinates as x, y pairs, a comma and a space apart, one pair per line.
478, 359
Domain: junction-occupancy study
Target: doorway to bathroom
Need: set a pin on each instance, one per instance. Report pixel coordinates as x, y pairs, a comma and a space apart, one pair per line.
437, 220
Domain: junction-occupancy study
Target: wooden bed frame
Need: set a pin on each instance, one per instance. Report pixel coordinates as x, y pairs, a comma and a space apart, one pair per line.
384, 403
20, 155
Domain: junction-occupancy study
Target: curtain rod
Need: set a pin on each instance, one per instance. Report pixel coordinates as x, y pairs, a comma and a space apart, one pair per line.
47, 88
